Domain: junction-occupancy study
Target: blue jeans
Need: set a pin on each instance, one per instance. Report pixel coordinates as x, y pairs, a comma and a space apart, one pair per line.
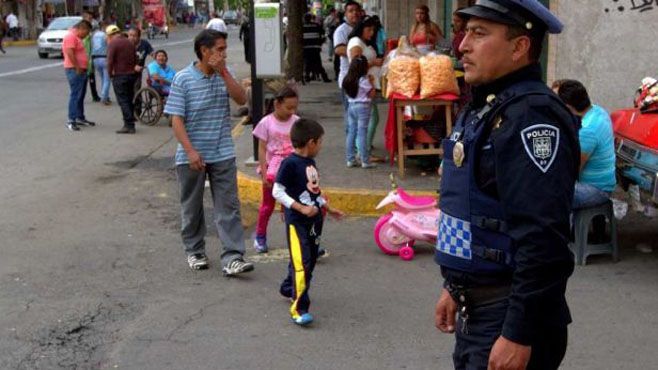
346, 105
586, 195
358, 118
100, 64
78, 85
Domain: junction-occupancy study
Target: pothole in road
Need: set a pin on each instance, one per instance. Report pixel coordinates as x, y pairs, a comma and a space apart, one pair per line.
75, 342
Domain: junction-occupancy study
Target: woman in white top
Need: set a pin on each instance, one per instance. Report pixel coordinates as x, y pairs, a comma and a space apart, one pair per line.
360, 44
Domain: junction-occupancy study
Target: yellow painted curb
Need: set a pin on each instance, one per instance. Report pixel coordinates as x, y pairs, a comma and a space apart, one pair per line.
20, 43
354, 202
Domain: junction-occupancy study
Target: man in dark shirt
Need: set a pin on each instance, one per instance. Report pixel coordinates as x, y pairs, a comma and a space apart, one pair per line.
143, 49
506, 191
313, 39
245, 36
122, 67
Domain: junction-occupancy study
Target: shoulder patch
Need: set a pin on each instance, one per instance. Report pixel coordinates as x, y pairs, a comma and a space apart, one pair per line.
541, 143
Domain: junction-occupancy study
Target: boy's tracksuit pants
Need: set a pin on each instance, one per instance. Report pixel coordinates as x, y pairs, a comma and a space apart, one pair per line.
303, 243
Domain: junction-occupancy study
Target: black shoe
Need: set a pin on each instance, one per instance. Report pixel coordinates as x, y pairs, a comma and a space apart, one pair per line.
85, 122
72, 126
126, 130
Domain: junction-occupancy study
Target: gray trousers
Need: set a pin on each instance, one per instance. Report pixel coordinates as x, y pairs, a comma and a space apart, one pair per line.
226, 208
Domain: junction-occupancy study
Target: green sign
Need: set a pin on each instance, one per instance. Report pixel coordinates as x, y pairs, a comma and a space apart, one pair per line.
266, 12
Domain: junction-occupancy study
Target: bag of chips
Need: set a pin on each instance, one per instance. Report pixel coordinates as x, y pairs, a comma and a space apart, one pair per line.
402, 70
437, 76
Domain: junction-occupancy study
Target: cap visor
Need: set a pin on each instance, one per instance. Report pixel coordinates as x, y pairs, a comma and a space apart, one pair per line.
486, 13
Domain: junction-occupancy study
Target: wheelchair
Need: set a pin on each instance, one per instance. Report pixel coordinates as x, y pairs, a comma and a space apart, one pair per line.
149, 103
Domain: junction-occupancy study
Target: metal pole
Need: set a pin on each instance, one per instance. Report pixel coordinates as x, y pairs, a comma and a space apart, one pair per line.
256, 84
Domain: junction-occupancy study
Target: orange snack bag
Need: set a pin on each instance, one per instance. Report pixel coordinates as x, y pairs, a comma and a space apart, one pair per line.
404, 76
437, 76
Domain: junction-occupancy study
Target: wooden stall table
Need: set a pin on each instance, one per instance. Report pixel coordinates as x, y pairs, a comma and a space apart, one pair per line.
396, 125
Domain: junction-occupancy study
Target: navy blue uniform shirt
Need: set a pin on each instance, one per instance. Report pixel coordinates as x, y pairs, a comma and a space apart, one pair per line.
536, 197
302, 182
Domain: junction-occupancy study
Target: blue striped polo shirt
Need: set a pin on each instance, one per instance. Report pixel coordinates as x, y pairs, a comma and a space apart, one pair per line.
203, 102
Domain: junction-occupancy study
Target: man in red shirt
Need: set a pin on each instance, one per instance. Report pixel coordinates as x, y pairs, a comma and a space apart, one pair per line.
75, 65
121, 65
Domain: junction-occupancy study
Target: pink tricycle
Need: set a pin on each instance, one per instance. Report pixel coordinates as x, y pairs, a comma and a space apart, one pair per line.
415, 218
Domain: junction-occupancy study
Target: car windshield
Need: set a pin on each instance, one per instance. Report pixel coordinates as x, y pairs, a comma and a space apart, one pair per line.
62, 24
230, 14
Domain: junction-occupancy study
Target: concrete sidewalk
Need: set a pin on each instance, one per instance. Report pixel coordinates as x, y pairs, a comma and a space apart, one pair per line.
355, 190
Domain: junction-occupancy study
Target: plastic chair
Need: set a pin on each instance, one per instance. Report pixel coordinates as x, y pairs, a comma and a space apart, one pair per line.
583, 218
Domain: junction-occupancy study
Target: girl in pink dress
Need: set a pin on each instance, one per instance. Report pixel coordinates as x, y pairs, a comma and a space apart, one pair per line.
274, 145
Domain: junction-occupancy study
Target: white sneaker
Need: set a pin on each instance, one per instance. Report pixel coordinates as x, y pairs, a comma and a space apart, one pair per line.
197, 261
237, 266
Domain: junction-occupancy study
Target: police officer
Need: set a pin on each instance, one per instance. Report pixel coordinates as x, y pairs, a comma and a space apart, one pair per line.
509, 171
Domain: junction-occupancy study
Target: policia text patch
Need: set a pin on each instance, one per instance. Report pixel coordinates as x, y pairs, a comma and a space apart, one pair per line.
541, 143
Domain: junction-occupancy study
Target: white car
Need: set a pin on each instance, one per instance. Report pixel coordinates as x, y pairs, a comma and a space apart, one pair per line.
50, 40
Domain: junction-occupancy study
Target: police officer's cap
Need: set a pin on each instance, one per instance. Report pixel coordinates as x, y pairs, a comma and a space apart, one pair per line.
529, 14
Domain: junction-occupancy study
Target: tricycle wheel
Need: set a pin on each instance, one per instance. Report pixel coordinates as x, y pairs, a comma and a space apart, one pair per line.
388, 237
407, 252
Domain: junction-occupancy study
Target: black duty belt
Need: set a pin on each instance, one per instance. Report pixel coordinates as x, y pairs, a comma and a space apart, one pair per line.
479, 296
468, 298
98, 56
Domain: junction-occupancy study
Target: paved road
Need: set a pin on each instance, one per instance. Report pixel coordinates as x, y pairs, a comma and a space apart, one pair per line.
92, 275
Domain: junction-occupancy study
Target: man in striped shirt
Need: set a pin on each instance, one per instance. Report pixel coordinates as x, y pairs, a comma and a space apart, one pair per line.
199, 106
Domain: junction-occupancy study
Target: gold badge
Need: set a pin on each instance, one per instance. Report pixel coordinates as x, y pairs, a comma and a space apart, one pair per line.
458, 154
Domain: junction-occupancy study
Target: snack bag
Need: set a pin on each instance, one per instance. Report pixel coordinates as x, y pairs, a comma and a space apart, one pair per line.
404, 76
402, 70
437, 76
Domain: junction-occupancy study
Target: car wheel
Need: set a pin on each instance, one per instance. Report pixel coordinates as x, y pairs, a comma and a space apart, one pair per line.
43, 55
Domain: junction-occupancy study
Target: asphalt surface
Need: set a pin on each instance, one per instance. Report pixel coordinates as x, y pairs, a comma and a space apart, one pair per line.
92, 274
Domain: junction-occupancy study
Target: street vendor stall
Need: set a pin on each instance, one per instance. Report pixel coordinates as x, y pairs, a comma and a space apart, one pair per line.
422, 90
417, 143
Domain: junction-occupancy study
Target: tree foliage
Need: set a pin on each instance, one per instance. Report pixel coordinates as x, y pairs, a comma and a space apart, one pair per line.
232, 4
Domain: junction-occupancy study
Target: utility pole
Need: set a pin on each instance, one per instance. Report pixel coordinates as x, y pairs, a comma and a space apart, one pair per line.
256, 84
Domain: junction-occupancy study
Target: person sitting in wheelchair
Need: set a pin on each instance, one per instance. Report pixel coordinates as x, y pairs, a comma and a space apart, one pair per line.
160, 74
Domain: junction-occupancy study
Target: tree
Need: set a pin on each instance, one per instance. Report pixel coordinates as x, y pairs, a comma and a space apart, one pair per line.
294, 34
